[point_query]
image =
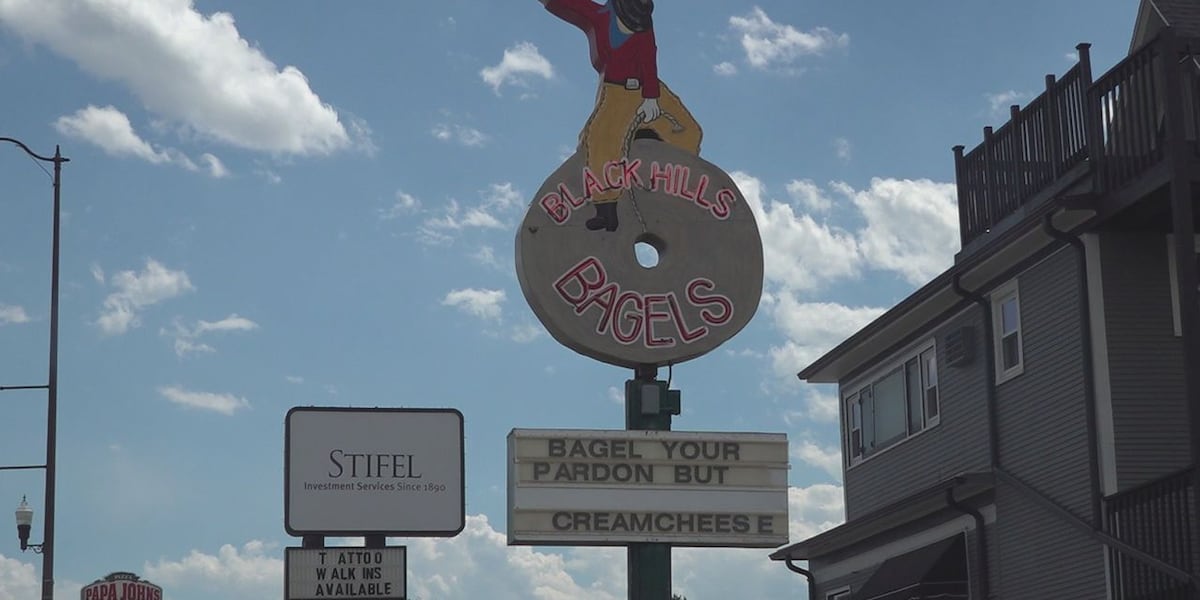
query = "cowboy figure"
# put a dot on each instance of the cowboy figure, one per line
(631, 97)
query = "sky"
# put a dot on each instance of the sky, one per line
(306, 203)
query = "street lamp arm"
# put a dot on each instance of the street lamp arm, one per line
(57, 158)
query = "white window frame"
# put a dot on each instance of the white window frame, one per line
(850, 396)
(1171, 264)
(840, 594)
(1001, 295)
(925, 387)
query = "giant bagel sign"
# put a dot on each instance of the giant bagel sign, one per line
(588, 288)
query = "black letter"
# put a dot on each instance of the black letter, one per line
(555, 522)
(765, 523)
(334, 461)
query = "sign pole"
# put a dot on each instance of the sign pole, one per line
(649, 406)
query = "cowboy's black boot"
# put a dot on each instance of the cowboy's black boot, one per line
(606, 217)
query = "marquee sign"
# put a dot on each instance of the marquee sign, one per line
(345, 573)
(362, 471)
(598, 487)
(121, 585)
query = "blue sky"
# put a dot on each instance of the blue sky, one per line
(314, 203)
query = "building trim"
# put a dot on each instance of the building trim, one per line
(1105, 424)
(1172, 261)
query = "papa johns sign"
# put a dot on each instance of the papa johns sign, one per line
(587, 287)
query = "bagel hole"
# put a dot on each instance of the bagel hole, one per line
(648, 249)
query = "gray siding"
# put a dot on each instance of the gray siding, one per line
(1145, 359)
(1034, 554)
(1042, 423)
(956, 445)
(1042, 413)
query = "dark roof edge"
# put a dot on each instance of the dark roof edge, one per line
(983, 480)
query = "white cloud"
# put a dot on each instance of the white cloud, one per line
(10, 314)
(911, 229)
(842, 149)
(808, 195)
(246, 573)
(526, 332)
(187, 338)
(814, 509)
(109, 129)
(484, 304)
(768, 44)
(97, 273)
(404, 204)
(271, 176)
(216, 168)
(296, 379)
(486, 256)
(502, 196)
(184, 346)
(226, 404)
(822, 405)
(479, 563)
(799, 253)
(812, 329)
(136, 291)
(191, 69)
(461, 134)
(19, 581)
(498, 203)
(519, 63)
(912, 226)
(616, 396)
(826, 458)
(231, 323)
(999, 102)
(725, 69)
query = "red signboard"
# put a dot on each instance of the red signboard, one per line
(121, 586)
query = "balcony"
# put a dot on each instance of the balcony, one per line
(1081, 137)
(1157, 518)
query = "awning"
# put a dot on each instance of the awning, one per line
(937, 571)
(911, 508)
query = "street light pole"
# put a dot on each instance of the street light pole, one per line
(52, 385)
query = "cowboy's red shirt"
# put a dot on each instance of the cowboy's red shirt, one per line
(634, 59)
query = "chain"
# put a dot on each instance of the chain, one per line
(676, 126)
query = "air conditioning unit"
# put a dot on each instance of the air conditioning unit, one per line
(959, 346)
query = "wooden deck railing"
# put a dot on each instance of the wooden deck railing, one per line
(1115, 125)
(1157, 518)
(1039, 143)
(1129, 100)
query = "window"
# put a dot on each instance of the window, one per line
(899, 403)
(1171, 262)
(1006, 332)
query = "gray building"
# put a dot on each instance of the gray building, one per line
(1026, 426)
